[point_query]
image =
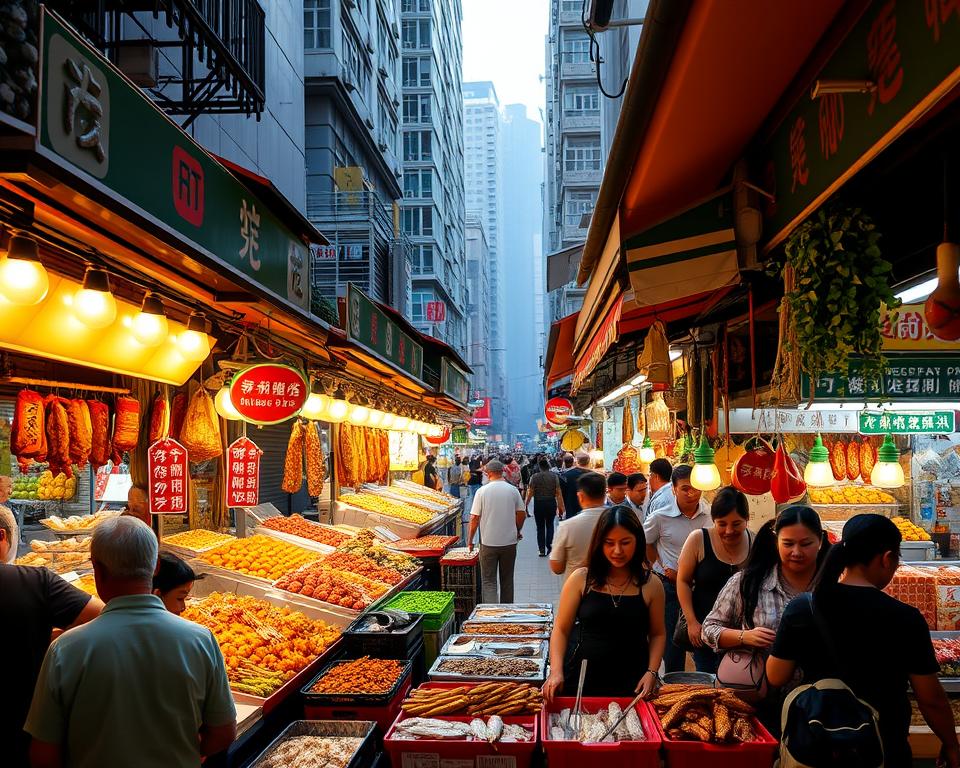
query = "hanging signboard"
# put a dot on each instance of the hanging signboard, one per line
(460, 435)
(243, 473)
(558, 411)
(453, 381)
(908, 377)
(481, 416)
(169, 478)
(906, 422)
(905, 328)
(436, 312)
(269, 393)
(372, 328)
(749, 421)
(439, 439)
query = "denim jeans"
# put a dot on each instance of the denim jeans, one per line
(545, 514)
(674, 658)
(706, 660)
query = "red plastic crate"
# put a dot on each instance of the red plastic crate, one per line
(695, 754)
(614, 754)
(383, 715)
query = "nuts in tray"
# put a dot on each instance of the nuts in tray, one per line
(487, 699)
(496, 628)
(699, 713)
(198, 539)
(478, 667)
(363, 675)
(312, 752)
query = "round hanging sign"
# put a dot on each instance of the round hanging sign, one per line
(439, 439)
(269, 393)
(558, 411)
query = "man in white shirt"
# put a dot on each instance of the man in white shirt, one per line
(660, 493)
(637, 493)
(571, 545)
(498, 512)
(666, 530)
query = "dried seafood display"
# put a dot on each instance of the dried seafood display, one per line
(473, 666)
(491, 731)
(594, 725)
(312, 752)
(699, 713)
(487, 699)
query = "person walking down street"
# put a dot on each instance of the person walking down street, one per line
(666, 529)
(33, 602)
(571, 545)
(454, 475)
(511, 471)
(431, 478)
(158, 681)
(611, 615)
(782, 563)
(498, 513)
(529, 468)
(616, 489)
(569, 479)
(708, 559)
(474, 481)
(877, 645)
(544, 491)
(660, 487)
(637, 493)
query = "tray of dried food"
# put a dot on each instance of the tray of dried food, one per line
(74, 524)
(196, 541)
(946, 645)
(505, 628)
(69, 544)
(478, 669)
(58, 562)
(516, 614)
(305, 533)
(494, 647)
(321, 744)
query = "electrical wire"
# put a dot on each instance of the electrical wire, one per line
(595, 56)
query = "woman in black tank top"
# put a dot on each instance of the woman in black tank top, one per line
(708, 559)
(611, 615)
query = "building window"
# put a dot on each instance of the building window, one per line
(416, 72)
(418, 221)
(417, 145)
(575, 47)
(582, 153)
(415, 6)
(316, 24)
(418, 183)
(575, 204)
(423, 260)
(581, 101)
(418, 308)
(416, 34)
(417, 108)
(356, 63)
(568, 6)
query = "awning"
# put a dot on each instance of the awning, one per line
(562, 266)
(635, 319)
(559, 360)
(602, 341)
(690, 254)
(602, 292)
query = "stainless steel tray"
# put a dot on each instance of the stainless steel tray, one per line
(534, 677)
(542, 631)
(360, 729)
(512, 614)
(489, 647)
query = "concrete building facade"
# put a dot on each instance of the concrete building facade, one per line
(479, 342)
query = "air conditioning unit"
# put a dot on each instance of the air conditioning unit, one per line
(140, 61)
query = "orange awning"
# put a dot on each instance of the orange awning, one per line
(605, 337)
(559, 361)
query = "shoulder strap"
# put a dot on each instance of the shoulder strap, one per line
(821, 624)
(707, 544)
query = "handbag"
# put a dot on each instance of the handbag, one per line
(744, 671)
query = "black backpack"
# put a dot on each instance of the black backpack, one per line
(825, 724)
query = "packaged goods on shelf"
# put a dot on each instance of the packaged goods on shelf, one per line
(916, 587)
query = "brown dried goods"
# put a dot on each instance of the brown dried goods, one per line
(201, 428)
(28, 436)
(293, 462)
(479, 667)
(100, 433)
(316, 471)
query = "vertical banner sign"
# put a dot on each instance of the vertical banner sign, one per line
(243, 473)
(168, 470)
(436, 312)
(371, 327)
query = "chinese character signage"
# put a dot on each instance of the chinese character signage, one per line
(906, 423)
(908, 377)
(169, 478)
(371, 327)
(436, 312)
(95, 121)
(749, 421)
(909, 51)
(454, 382)
(269, 393)
(905, 328)
(243, 473)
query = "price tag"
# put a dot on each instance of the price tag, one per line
(420, 760)
(496, 761)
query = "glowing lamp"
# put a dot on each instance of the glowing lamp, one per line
(887, 472)
(23, 279)
(315, 407)
(817, 473)
(224, 405)
(705, 475)
(647, 454)
(358, 415)
(388, 420)
(401, 423)
(375, 418)
(150, 325)
(193, 343)
(94, 304)
(337, 410)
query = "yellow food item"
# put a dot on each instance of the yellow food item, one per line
(198, 539)
(87, 584)
(850, 494)
(388, 507)
(909, 530)
(316, 471)
(260, 556)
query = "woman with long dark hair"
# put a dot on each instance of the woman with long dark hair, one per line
(619, 611)
(876, 644)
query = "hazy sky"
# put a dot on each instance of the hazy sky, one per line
(503, 41)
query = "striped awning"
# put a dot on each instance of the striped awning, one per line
(692, 253)
(605, 338)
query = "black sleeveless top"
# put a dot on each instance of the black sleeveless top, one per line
(710, 576)
(614, 637)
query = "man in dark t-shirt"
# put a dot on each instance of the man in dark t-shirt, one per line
(33, 602)
(880, 644)
(568, 479)
(430, 472)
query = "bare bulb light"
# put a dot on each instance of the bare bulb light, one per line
(315, 408)
(150, 326)
(337, 411)
(705, 475)
(224, 405)
(94, 304)
(193, 343)
(887, 472)
(818, 473)
(359, 415)
(401, 423)
(23, 279)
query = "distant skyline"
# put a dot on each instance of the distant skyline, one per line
(503, 41)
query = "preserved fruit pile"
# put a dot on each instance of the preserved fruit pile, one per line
(260, 556)
(382, 506)
(297, 525)
(909, 530)
(198, 539)
(365, 544)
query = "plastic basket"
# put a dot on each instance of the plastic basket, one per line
(364, 730)
(695, 754)
(614, 754)
(432, 622)
(433, 642)
(459, 575)
(379, 708)
(384, 645)
(353, 699)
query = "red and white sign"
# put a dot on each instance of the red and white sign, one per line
(436, 312)
(324, 252)
(169, 473)
(269, 393)
(481, 416)
(439, 439)
(243, 473)
(558, 411)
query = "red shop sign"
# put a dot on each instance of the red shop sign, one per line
(558, 411)
(436, 312)
(268, 393)
(439, 439)
(243, 473)
(167, 468)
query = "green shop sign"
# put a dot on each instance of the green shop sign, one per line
(373, 329)
(906, 423)
(453, 382)
(909, 51)
(908, 377)
(105, 127)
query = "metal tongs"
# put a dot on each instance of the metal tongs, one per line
(573, 725)
(623, 716)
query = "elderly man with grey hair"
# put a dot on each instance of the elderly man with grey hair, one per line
(138, 686)
(498, 512)
(33, 602)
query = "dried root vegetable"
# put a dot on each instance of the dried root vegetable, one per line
(699, 713)
(316, 471)
(201, 428)
(293, 462)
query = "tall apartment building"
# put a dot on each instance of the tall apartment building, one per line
(479, 344)
(484, 193)
(352, 146)
(432, 138)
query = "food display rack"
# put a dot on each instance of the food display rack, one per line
(292, 686)
(345, 514)
(491, 647)
(535, 678)
(363, 730)
(843, 512)
(384, 645)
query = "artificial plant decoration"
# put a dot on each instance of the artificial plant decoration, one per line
(840, 283)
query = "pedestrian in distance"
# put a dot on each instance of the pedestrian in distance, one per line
(616, 489)
(454, 476)
(431, 478)
(498, 513)
(637, 493)
(544, 491)
(571, 545)
(570, 476)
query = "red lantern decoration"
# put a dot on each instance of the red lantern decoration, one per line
(942, 310)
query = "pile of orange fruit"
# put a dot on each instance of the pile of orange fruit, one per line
(260, 556)
(297, 525)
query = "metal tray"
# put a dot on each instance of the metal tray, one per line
(511, 615)
(542, 633)
(435, 674)
(495, 647)
(950, 684)
(361, 729)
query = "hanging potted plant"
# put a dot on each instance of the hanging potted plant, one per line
(840, 282)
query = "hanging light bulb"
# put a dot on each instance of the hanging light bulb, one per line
(705, 474)
(358, 415)
(388, 420)
(375, 418)
(150, 325)
(817, 473)
(887, 472)
(23, 279)
(337, 410)
(194, 344)
(647, 454)
(401, 423)
(94, 304)
(315, 407)
(224, 404)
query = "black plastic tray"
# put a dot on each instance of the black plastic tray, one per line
(384, 645)
(356, 699)
(363, 729)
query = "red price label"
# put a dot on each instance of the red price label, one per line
(269, 393)
(243, 473)
(169, 473)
